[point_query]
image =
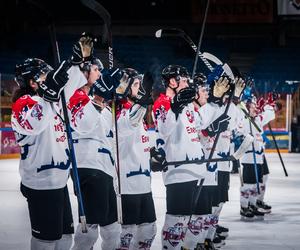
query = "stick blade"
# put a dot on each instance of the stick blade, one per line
(173, 32)
(158, 33)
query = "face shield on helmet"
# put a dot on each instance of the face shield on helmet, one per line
(31, 69)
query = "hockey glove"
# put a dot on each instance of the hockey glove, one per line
(106, 85)
(238, 88)
(83, 49)
(51, 88)
(144, 97)
(157, 159)
(218, 91)
(272, 97)
(260, 105)
(219, 125)
(181, 99)
(124, 84)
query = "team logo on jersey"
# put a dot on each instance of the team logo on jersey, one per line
(296, 4)
(190, 116)
(196, 226)
(174, 234)
(161, 113)
(37, 111)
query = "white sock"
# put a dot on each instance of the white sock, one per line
(64, 243)
(37, 244)
(144, 237)
(245, 194)
(127, 234)
(173, 231)
(85, 241)
(110, 235)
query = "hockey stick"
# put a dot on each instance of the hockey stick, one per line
(198, 161)
(278, 151)
(273, 137)
(67, 121)
(105, 16)
(174, 32)
(254, 159)
(200, 39)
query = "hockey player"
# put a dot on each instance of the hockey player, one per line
(260, 108)
(177, 135)
(139, 226)
(252, 162)
(95, 157)
(38, 125)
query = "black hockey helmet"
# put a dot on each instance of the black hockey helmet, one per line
(30, 69)
(132, 74)
(173, 71)
(199, 80)
(94, 61)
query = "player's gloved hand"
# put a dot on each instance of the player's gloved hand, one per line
(51, 88)
(83, 49)
(144, 97)
(271, 99)
(217, 92)
(219, 125)
(157, 159)
(106, 85)
(221, 87)
(182, 98)
(260, 105)
(239, 87)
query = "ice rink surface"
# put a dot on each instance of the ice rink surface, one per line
(279, 230)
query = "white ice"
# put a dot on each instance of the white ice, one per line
(279, 230)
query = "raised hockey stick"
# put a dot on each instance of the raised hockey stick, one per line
(174, 32)
(278, 151)
(255, 163)
(66, 117)
(200, 39)
(105, 16)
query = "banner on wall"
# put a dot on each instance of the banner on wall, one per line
(7, 138)
(288, 7)
(234, 11)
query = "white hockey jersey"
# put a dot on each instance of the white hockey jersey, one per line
(134, 150)
(92, 134)
(179, 139)
(39, 130)
(261, 120)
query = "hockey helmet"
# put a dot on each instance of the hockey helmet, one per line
(173, 71)
(30, 69)
(132, 74)
(95, 61)
(199, 80)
